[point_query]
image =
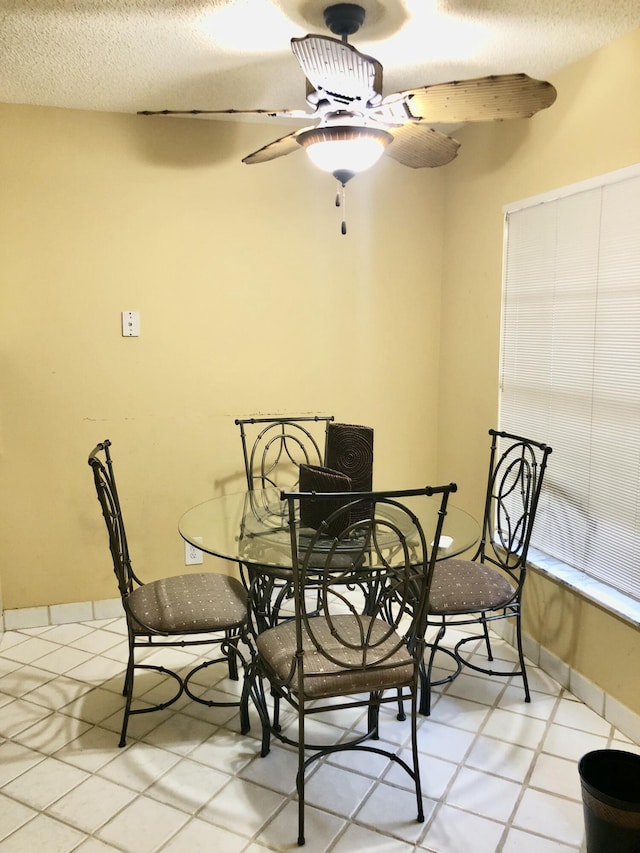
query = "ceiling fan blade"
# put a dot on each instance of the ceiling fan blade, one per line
(285, 145)
(337, 70)
(494, 98)
(298, 114)
(417, 145)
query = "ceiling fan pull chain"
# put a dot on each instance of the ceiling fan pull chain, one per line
(341, 201)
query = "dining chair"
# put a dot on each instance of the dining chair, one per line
(363, 647)
(274, 448)
(181, 610)
(488, 587)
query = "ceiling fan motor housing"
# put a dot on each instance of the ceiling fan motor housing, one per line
(344, 19)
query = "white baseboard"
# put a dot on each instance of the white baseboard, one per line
(606, 706)
(60, 614)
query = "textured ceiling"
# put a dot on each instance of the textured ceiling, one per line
(130, 55)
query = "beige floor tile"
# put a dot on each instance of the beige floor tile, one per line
(556, 775)
(52, 733)
(452, 831)
(515, 728)
(13, 815)
(524, 842)
(359, 838)
(242, 807)
(57, 692)
(138, 766)
(44, 783)
(571, 743)
(41, 834)
(393, 811)
(198, 835)
(188, 785)
(577, 716)
(435, 774)
(488, 796)
(554, 817)
(91, 803)
(30, 650)
(91, 750)
(500, 758)
(336, 790)
(15, 760)
(180, 733)
(277, 770)
(143, 826)
(320, 830)
(443, 741)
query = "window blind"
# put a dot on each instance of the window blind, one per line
(570, 370)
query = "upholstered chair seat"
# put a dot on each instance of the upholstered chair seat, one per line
(464, 586)
(188, 604)
(340, 666)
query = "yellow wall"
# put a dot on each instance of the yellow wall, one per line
(593, 128)
(251, 302)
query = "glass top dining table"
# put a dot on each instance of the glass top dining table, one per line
(251, 528)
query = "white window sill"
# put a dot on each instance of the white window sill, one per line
(605, 596)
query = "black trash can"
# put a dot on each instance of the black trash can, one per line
(610, 780)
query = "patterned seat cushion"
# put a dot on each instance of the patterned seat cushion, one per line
(323, 678)
(186, 604)
(463, 586)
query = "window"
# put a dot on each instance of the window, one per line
(570, 368)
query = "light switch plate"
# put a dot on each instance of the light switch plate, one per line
(130, 324)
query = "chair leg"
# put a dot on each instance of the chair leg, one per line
(276, 711)
(426, 671)
(401, 714)
(300, 778)
(414, 749)
(245, 724)
(232, 655)
(128, 693)
(373, 715)
(523, 669)
(485, 632)
(254, 686)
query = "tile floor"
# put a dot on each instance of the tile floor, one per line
(498, 774)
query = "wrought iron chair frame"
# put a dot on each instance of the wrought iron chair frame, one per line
(287, 434)
(141, 635)
(396, 577)
(503, 546)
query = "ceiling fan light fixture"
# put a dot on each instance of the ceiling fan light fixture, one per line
(344, 150)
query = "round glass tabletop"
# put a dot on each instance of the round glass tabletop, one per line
(252, 527)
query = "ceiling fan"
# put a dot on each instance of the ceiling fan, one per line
(355, 124)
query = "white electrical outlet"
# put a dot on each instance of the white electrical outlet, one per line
(192, 555)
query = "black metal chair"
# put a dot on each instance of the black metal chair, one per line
(364, 645)
(182, 610)
(274, 449)
(488, 587)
